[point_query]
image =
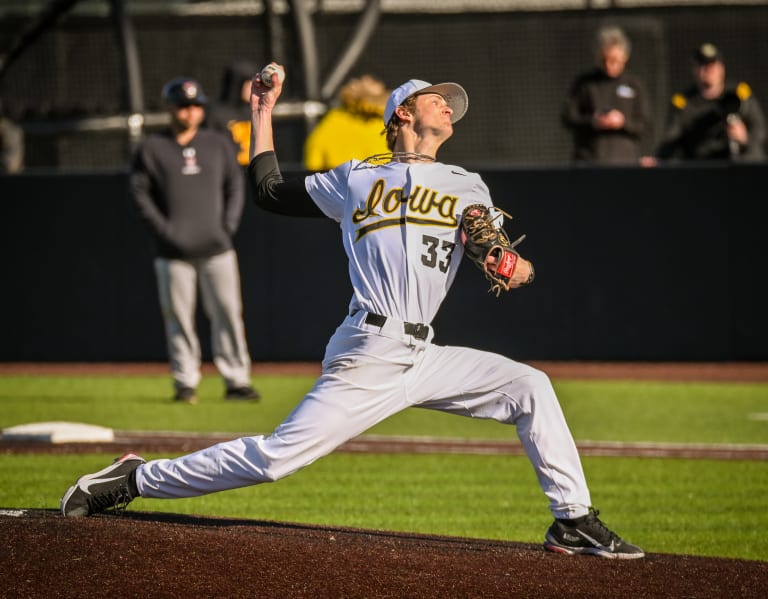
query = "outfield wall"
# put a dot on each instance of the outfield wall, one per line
(632, 264)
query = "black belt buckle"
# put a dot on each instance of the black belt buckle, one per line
(418, 330)
(376, 320)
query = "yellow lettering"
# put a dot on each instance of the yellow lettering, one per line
(374, 197)
(425, 207)
(446, 207)
(393, 200)
(423, 202)
(426, 201)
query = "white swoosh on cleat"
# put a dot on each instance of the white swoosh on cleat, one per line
(611, 547)
(94, 481)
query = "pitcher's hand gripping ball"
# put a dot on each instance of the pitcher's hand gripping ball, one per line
(489, 248)
(268, 71)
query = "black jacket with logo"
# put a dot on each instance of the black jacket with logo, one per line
(594, 92)
(192, 196)
(696, 126)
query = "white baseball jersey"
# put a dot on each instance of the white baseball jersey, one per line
(399, 225)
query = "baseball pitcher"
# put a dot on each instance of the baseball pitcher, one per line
(406, 221)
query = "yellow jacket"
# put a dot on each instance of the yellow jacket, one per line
(342, 135)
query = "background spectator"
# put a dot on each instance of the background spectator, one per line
(232, 111)
(190, 191)
(351, 130)
(713, 119)
(11, 145)
(607, 108)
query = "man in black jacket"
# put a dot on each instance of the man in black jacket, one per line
(232, 112)
(607, 108)
(713, 119)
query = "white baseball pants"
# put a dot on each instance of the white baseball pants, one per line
(370, 373)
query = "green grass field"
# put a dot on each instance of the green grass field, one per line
(701, 507)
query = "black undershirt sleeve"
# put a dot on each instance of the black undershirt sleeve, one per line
(274, 194)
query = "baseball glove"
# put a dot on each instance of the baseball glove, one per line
(489, 248)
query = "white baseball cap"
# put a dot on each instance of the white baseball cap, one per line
(454, 95)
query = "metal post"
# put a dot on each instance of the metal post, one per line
(133, 91)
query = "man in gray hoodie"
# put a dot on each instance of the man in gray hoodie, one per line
(190, 191)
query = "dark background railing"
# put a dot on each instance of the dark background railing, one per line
(632, 264)
(516, 67)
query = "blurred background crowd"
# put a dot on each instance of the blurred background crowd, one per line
(80, 81)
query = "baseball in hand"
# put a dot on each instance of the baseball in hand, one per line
(268, 71)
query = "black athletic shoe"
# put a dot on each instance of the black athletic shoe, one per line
(588, 535)
(114, 487)
(185, 395)
(242, 393)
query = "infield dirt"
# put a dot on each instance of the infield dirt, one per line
(162, 555)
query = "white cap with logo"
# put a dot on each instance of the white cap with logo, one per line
(454, 95)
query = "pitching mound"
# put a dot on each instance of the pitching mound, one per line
(164, 555)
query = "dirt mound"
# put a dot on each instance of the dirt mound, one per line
(165, 555)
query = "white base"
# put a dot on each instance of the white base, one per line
(59, 432)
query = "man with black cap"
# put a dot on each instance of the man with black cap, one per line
(714, 119)
(190, 191)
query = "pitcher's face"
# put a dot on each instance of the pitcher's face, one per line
(432, 112)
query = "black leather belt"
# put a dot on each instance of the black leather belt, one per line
(418, 330)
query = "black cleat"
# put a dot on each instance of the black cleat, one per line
(185, 395)
(114, 487)
(242, 393)
(589, 536)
